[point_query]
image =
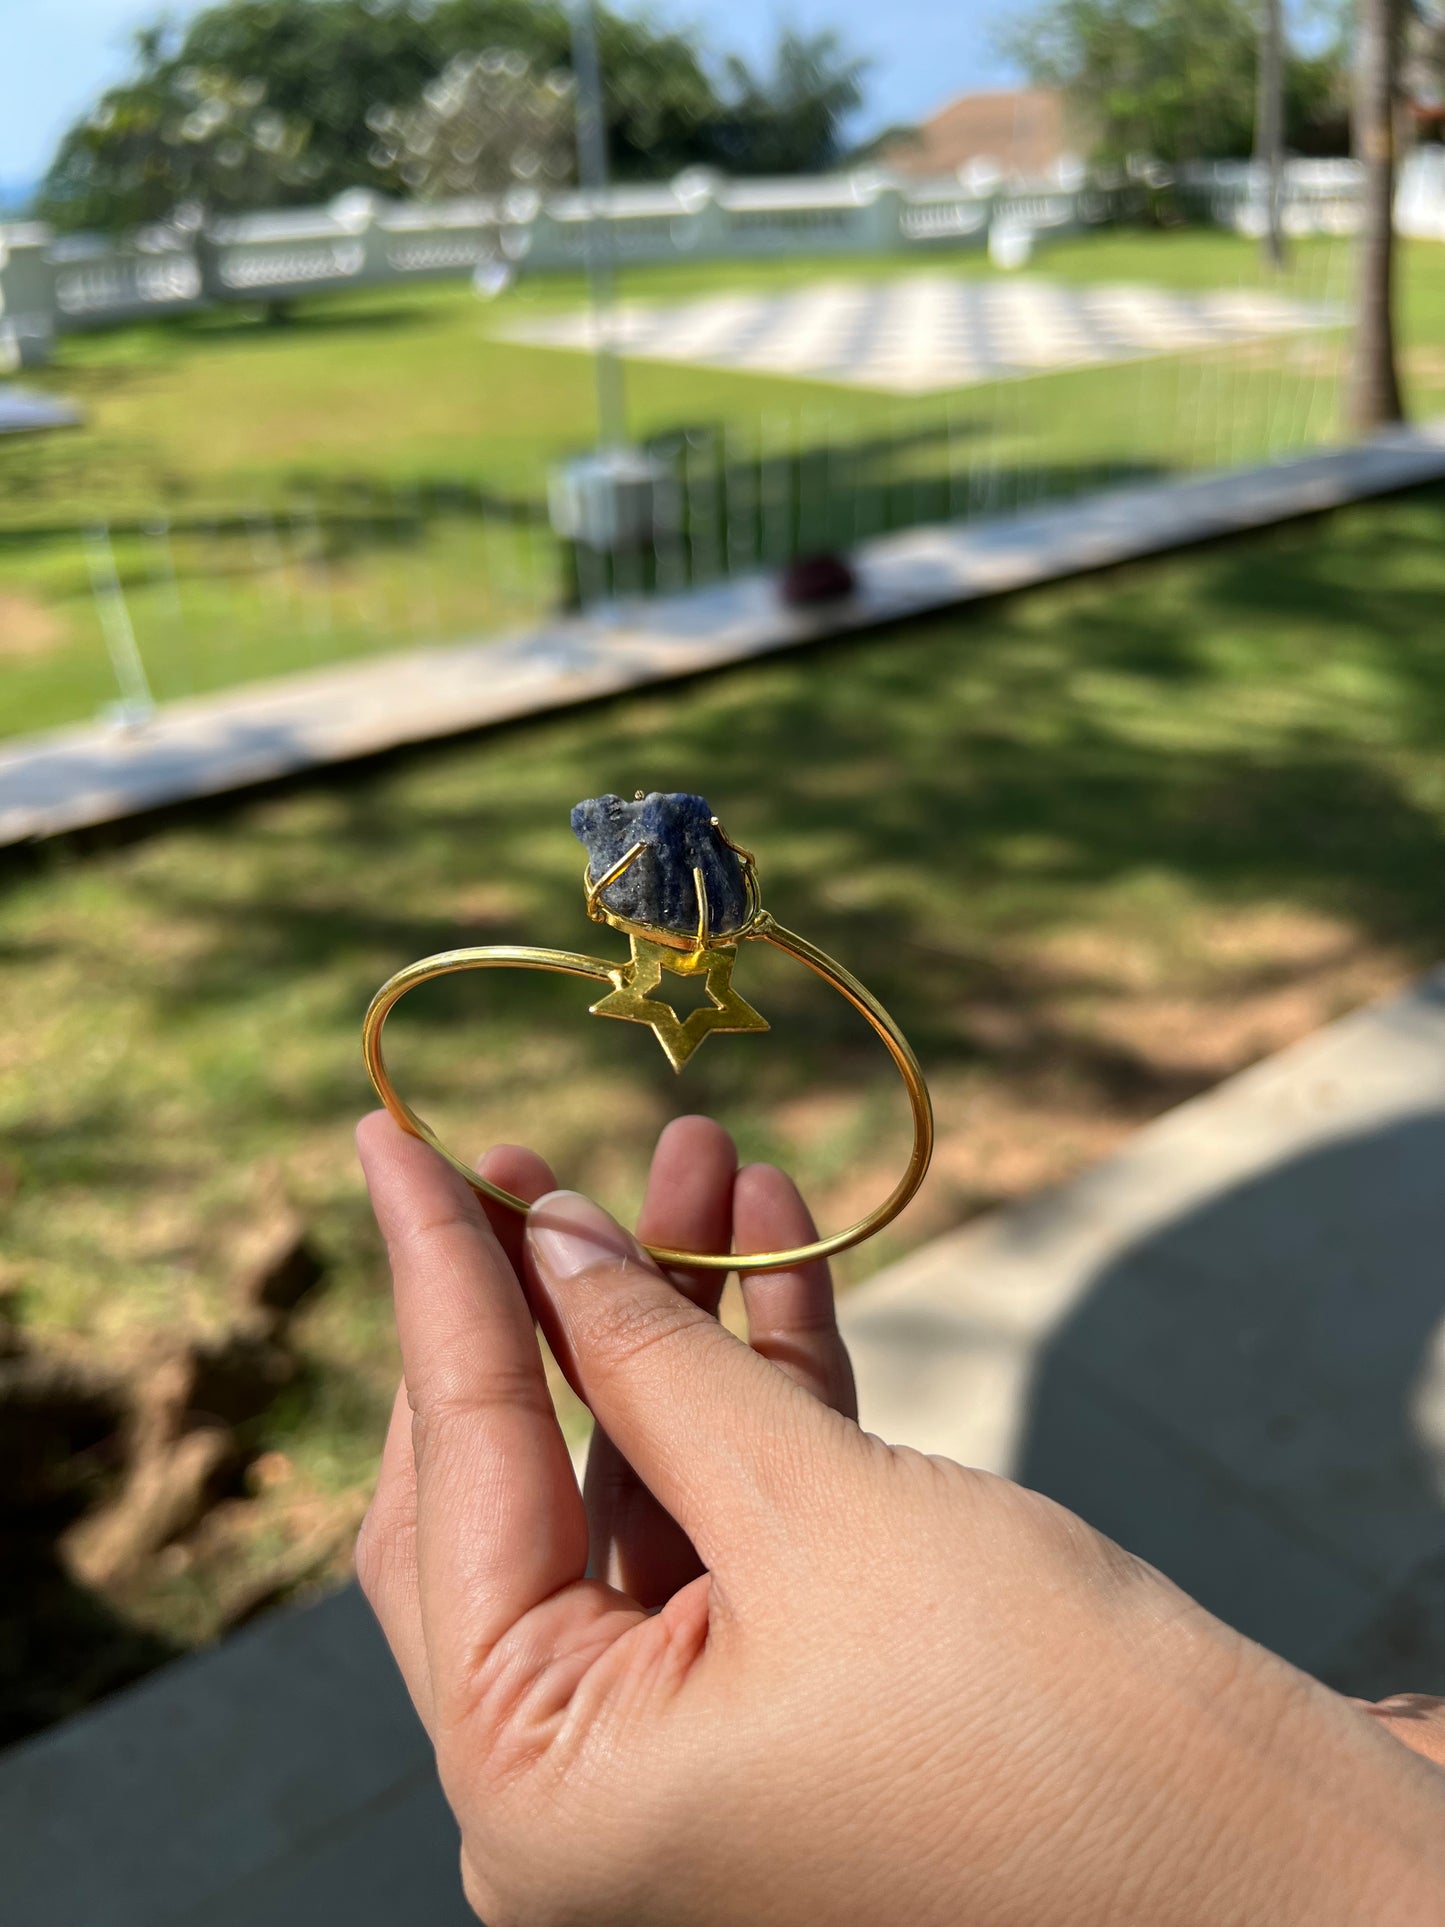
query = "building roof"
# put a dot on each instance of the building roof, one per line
(1022, 131)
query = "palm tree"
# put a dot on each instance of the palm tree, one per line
(1374, 389)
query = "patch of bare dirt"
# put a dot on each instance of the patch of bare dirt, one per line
(27, 627)
(1278, 974)
(1086, 1035)
(140, 1513)
(483, 906)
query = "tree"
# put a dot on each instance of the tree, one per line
(1422, 57)
(789, 121)
(486, 123)
(170, 136)
(1170, 79)
(302, 83)
(661, 105)
(1374, 388)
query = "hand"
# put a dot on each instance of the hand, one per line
(898, 1691)
(696, 1200)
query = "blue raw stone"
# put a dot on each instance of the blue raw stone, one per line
(658, 888)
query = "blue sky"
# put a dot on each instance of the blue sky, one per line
(58, 55)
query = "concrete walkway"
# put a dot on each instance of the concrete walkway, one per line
(25, 412)
(1225, 1346)
(79, 778)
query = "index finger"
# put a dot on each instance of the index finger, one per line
(732, 1447)
(500, 1525)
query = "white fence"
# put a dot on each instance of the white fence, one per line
(1420, 204)
(1319, 197)
(50, 285)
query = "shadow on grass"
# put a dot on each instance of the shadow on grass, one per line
(1255, 726)
(891, 782)
(257, 324)
(712, 519)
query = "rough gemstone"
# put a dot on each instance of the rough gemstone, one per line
(658, 888)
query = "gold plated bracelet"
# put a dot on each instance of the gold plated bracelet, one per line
(675, 849)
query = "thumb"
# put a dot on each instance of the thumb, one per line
(728, 1443)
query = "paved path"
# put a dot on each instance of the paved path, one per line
(23, 411)
(77, 778)
(1225, 1345)
(924, 332)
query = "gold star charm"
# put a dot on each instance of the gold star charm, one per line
(636, 980)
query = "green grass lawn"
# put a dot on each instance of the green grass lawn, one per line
(373, 473)
(1096, 847)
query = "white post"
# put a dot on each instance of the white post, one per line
(592, 172)
(136, 704)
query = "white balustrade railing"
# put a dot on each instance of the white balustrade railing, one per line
(1420, 203)
(284, 270)
(49, 285)
(124, 287)
(1318, 197)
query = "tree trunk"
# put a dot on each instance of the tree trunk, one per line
(1269, 125)
(1374, 393)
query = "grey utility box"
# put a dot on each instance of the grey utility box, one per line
(606, 499)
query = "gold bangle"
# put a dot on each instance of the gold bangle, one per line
(656, 948)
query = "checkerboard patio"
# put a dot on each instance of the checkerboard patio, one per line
(926, 332)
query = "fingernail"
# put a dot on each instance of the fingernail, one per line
(569, 1234)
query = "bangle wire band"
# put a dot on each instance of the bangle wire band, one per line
(704, 955)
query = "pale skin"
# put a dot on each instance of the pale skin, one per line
(809, 1679)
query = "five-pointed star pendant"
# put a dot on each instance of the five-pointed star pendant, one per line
(635, 981)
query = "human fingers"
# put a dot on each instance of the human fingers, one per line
(689, 1200)
(526, 1176)
(499, 1517)
(792, 1318)
(634, 1543)
(723, 1440)
(386, 1543)
(386, 1557)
